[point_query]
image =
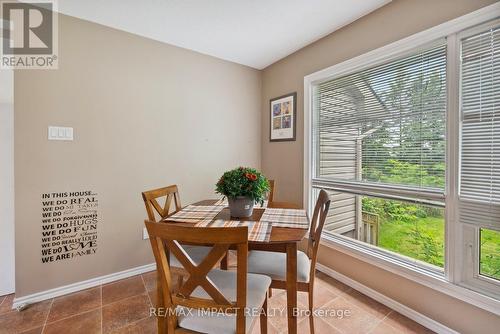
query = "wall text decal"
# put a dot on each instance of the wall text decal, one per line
(69, 225)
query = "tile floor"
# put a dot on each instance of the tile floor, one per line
(123, 307)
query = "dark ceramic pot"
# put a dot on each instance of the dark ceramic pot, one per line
(240, 206)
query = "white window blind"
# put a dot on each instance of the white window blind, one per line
(385, 124)
(480, 147)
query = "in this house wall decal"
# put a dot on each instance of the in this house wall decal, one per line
(69, 225)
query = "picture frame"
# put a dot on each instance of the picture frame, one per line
(283, 124)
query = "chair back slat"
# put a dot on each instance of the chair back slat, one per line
(317, 222)
(270, 198)
(153, 207)
(167, 238)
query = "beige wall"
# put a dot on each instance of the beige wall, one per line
(283, 161)
(145, 114)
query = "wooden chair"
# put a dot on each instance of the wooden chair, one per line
(270, 198)
(153, 208)
(274, 264)
(235, 294)
(274, 204)
(156, 212)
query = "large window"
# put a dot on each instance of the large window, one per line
(408, 147)
(379, 131)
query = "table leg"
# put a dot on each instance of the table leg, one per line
(224, 261)
(291, 286)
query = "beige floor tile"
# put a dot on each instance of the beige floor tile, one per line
(37, 330)
(331, 283)
(322, 296)
(150, 280)
(144, 326)
(6, 305)
(129, 287)
(124, 312)
(349, 318)
(153, 295)
(32, 317)
(320, 327)
(270, 328)
(366, 303)
(383, 328)
(75, 303)
(83, 323)
(277, 309)
(404, 324)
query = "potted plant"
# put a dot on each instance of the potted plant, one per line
(243, 187)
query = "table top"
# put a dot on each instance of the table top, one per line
(278, 234)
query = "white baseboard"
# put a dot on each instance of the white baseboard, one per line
(389, 302)
(78, 286)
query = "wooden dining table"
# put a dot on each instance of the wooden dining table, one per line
(282, 239)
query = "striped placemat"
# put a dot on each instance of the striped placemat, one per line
(257, 231)
(223, 202)
(195, 214)
(292, 218)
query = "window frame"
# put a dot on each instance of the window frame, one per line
(452, 280)
(469, 275)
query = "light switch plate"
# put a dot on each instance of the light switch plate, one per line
(145, 234)
(60, 133)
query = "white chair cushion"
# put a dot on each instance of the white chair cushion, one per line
(273, 264)
(197, 253)
(225, 281)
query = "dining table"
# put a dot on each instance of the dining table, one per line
(281, 239)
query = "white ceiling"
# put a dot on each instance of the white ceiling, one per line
(256, 33)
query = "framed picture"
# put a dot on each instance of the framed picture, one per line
(282, 110)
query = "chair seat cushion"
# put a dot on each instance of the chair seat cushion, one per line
(225, 281)
(273, 264)
(196, 253)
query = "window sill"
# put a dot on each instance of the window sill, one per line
(423, 276)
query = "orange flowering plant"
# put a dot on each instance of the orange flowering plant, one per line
(243, 181)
